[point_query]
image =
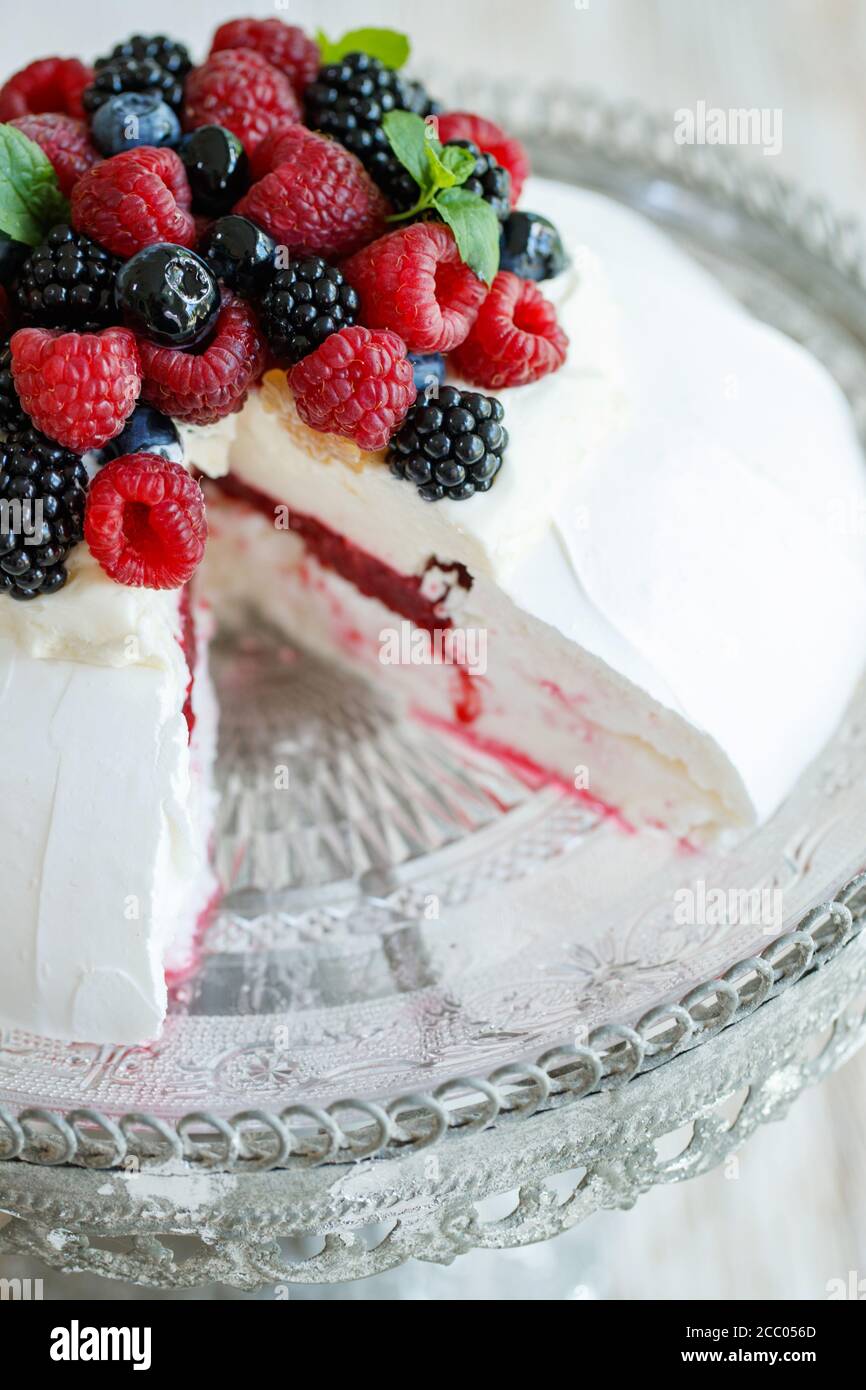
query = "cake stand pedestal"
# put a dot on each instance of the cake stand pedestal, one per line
(551, 1170)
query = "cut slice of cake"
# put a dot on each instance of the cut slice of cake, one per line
(661, 570)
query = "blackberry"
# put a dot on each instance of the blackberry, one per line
(450, 444)
(348, 100)
(304, 305)
(168, 53)
(133, 75)
(488, 179)
(12, 416)
(42, 495)
(68, 282)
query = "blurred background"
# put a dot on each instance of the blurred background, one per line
(791, 1215)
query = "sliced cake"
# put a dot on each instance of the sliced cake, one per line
(279, 338)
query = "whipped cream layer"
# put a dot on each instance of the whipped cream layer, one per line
(684, 500)
(104, 822)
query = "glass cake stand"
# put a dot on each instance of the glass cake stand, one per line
(428, 985)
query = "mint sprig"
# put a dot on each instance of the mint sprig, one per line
(439, 171)
(389, 46)
(30, 197)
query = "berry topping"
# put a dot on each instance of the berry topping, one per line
(304, 305)
(216, 166)
(239, 253)
(169, 294)
(133, 200)
(171, 55)
(201, 387)
(131, 119)
(145, 522)
(65, 141)
(531, 247)
(348, 100)
(284, 45)
(147, 431)
(133, 75)
(414, 282)
(5, 313)
(67, 282)
(358, 384)
(488, 179)
(49, 484)
(318, 200)
(239, 89)
(450, 445)
(488, 136)
(515, 339)
(49, 84)
(429, 370)
(12, 416)
(77, 388)
(13, 254)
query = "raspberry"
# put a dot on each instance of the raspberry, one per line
(49, 84)
(515, 339)
(145, 522)
(243, 92)
(491, 138)
(284, 45)
(359, 383)
(133, 200)
(66, 143)
(319, 200)
(414, 282)
(201, 387)
(78, 388)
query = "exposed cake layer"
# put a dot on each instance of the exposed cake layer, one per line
(695, 554)
(524, 693)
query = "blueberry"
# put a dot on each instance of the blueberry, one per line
(147, 431)
(216, 166)
(169, 294)
(134, 118)
(429, 369)
(531, 247)
(239, 253)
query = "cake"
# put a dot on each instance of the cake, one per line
(645, 584)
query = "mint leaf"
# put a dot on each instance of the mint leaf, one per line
(30, 197)
(442, 175)
(407, 135)
(389, 46)
(458, 162)
(475, 227)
